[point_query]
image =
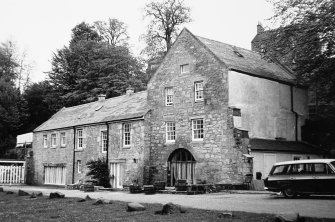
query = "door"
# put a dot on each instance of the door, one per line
(181, 165)
(269, 160)
(55, 175)
(116, 175)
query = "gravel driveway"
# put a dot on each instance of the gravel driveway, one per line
(315, 206)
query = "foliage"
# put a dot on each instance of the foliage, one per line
(165, 18)
(98, 169)
(12, 105)
(113, 31)
(307, 35)
(42, 102)
(91, 66)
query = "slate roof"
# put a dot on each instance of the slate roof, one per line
(282, 146)
(117, 108)
(248, 61)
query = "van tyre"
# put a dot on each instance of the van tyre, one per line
(289, 192)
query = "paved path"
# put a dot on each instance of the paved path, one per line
(315, 206)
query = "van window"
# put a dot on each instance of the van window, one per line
(319, 168)
(309, 168)
(329, 170)
(333, 163)
(297, 168)
(279, 170)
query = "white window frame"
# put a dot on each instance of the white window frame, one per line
(183, 68)
(80, 139)
(296, 156)
(62, 139)
(45, 141)
(169, 96)
(78, 166)
(104, 141)
(195, 125)
(198, 91)
(126, 134)
(53, 140)
(170, 128)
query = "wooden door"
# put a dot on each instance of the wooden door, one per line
(116, 170)
(269, 160)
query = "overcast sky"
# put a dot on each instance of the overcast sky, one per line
(42, 26)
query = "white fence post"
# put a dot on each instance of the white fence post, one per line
(13, 174)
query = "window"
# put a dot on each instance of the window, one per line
(297, 168)
(297, 157)
(62, 139)
(79, 166)
(45, 141)
(126, 134)
(184, 68)
(319, 168)
(79, 139)
(170, 132)
(53, 140)
(104, 141)
(197, 129)
(278, 170)
(198, 91)
(169, 96)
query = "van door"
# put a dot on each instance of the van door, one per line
(301, 177)
(321, 179)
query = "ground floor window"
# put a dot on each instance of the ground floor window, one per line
(55, 175)
(181, 165)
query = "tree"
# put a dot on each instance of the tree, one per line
(113, 31)
(98, 169)
(307, 35)
(91, 66)
(42, 103)
(165, 18)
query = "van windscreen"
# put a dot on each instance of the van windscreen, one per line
(278, 170)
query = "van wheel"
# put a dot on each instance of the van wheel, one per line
(289, 192)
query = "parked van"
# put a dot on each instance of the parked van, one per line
(302, 177)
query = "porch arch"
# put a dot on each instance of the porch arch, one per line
(181, 165)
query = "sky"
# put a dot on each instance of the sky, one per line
(41, 27)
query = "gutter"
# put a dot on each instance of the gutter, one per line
(74, 152)
(295, 113)
(107, 144)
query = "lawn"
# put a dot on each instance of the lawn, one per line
(23, 208)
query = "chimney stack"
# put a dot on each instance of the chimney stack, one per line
(260, 28)
(101, 97)
(129, 91)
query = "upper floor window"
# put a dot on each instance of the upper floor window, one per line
(184, 68)
(62, 139)
(197, 129)
(53, 140)
(169, 96)
(79, 138)
(170, 132)
(45, 141)
(126, 134)
(104, 141)
(198, 91)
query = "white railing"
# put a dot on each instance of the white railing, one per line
(12, 172)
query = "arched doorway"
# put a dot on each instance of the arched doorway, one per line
(181, 165)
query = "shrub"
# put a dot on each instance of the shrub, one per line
(98, 169)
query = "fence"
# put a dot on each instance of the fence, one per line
(12, 172)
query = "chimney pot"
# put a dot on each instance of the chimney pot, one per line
(101, 97)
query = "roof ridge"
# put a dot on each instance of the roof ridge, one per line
(76, 106)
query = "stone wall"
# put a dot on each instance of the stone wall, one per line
(132, 157)
(216, 158)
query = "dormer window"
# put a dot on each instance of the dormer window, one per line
(184, 68)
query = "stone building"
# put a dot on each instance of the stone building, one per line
(203, 106)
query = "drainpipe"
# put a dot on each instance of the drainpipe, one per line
(74, 152)
(295, 113)
(107, 143)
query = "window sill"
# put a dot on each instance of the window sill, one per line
(53, 147)
(197, 141)
(78, 150)
(126, 147)
(63, 146)
(199, 101)
(170, 143)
